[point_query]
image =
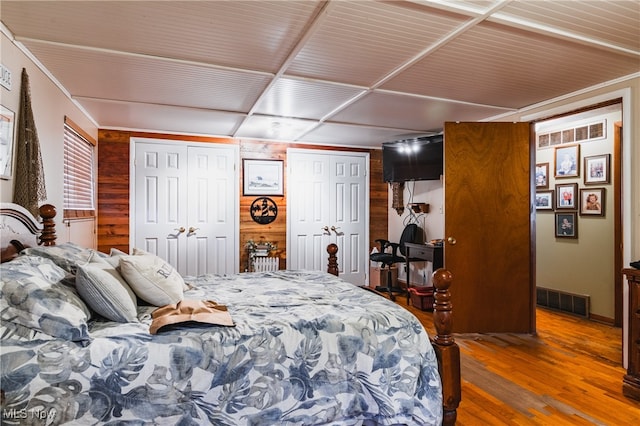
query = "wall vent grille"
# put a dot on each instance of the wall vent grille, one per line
(577, 304)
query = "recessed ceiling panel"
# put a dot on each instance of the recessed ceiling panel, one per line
(142, 79)
(351, 135)
(360, 42)
(415, 113)
(276, 128)
(304, 98)
(255, 35)
(160, 118)
(511, 68)
(613, 22)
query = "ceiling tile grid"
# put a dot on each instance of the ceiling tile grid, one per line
(352, 72)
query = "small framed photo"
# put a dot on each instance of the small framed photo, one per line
(592, 201)
(262, 177)
(566, 225)
(596, 169)
(7, 132)
(567, 161)
(566, 194)
(542, 175)
(544, 200)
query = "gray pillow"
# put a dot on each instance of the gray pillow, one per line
(105, 291)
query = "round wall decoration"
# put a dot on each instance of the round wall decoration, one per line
(263, 210)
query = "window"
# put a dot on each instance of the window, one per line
(78, 172)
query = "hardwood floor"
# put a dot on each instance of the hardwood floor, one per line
(570, 373)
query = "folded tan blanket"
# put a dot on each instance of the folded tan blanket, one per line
(202, 311)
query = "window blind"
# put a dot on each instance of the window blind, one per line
(78, 175)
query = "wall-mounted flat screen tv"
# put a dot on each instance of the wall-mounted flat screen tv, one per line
(413, 159)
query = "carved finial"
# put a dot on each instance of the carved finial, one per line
(442, 307)
(48, 235)
(332, 267)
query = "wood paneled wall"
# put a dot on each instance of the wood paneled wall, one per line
(114, 165)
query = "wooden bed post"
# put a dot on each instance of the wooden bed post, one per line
(48, 235)
(447, 350)
(332, 267)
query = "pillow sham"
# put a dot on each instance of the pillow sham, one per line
(66, 255)
(34, 297)
(105, 291)
(151, 278)
(25, 266)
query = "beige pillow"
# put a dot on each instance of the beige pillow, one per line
(151, 278)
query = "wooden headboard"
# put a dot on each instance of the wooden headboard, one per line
(19, 229)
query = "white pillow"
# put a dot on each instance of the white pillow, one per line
(114, 257)
(151, 278)
(102, 288)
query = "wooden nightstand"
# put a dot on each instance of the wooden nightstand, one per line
(631, 380)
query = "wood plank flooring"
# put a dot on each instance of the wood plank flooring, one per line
(569, 373)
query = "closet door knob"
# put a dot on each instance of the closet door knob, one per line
(452, 241)
(335, 229)
(180, 230)
(192, 230)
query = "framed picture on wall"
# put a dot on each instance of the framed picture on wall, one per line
(262, 177)
(567, 161)
(566, 225)
(596, 169)
(544, 200)
(566, 194)
(542, 175)
(592, 201)
(7, 126)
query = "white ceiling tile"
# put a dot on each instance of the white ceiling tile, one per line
(304, 98)
(160, 118)
(353, 72)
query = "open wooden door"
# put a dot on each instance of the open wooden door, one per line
(489, 225)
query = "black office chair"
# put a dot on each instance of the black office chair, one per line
(410, 234)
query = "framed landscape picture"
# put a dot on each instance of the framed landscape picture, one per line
(263, 177)
(544, 200)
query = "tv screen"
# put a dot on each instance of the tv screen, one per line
(413, 159)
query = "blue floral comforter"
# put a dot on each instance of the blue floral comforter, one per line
(307, 349)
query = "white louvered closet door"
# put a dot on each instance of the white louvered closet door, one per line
(185, 205)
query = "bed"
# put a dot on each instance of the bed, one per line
(276, 348)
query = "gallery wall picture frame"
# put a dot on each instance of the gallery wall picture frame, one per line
(544, 200)
(592, 201)
(262, 177)
(7, 137)
(567, 161)
(542, 175)
(566, 225)
(596, 169)
(566, 195)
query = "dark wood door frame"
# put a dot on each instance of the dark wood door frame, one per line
(618, 249)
